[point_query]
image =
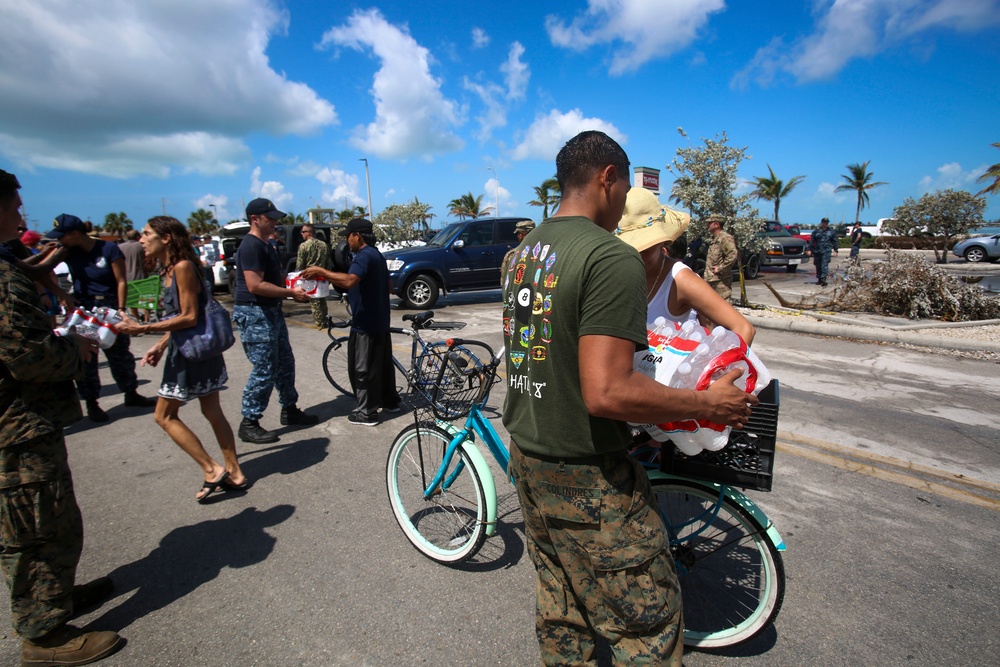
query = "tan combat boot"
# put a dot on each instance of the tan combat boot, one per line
(69, 645)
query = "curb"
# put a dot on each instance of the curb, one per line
(864, 333)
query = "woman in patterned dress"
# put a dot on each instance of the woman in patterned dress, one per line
(168, 244)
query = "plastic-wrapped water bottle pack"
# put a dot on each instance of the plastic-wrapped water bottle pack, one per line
(98, 325)
(693, 357)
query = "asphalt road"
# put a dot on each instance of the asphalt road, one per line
(887, 493)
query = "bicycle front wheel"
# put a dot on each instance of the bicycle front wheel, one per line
(335, 366)
(732, 578)
(449, 525)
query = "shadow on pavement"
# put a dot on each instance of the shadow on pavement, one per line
(188, 557)
(284, 458)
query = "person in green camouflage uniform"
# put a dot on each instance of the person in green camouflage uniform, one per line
(574, 315)
(41, 528)
(721, 258)
(521, 230)
(314, 252)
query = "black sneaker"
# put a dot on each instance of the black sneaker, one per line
(134, 400)
(292, 416)
(94, 411)
(362, 419)
(251, 431)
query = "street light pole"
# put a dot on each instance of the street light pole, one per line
(368, 183)
(496, 190)
(215, 213)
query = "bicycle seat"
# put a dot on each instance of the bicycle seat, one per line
(418, 319)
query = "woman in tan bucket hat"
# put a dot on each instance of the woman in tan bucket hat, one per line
(674, 291)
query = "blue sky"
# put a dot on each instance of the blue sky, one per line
(141, 107)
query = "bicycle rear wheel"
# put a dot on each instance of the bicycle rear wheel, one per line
(449, 526)
(731, 575)
(335, 366)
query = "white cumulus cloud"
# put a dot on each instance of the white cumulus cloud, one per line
(217, 205)
(340, 189)
(850, 29)
(549, 133)
(636, 31)
(120, 88)
(412, 116)
(495, 98)
(952, 176)
(516, 72)
(492, 193)
(273, 190)
(479, 38)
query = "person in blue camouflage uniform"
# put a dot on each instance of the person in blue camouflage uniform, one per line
(261, 323)
(98, 270)
(41, 529)
(574, 314)
(822, 243)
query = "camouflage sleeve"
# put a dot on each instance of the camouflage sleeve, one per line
(300, 258)
(28, 348)
(728, 248)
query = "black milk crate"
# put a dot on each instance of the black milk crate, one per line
(747, 461)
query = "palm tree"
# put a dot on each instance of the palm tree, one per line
(466, 206)
(859, 180)
(424, 212)
(293, 219)
(117, 223)
(345, 215)
(202, 222)
(771, 188)
(991, 173)
(547, 194)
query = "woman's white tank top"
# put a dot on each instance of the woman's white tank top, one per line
(658, 304)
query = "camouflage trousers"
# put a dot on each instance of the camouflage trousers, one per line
(264, 335)
(723, 287)
(319, 312)
(822, 261)
(604, 567)
(41, 531)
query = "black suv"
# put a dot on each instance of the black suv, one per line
(288, 245)
(464, 256)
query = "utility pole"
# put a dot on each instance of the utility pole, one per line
(368, 183)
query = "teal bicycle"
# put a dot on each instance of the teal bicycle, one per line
(726, 551)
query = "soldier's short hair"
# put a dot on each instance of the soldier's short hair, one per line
(585, 154)
(9, 186)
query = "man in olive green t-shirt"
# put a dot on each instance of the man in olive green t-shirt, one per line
(574, 314)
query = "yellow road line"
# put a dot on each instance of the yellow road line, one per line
(891, 476)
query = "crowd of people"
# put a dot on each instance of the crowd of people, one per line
(604, 260)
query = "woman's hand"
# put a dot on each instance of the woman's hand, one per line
(129, 326)
(152, 356)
